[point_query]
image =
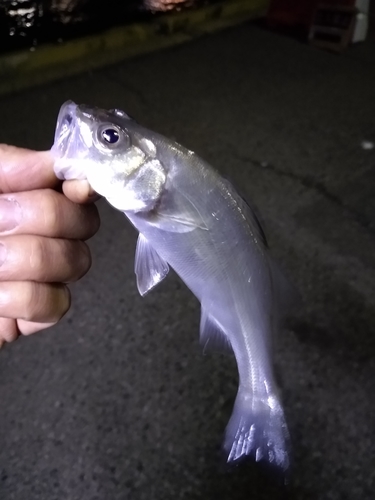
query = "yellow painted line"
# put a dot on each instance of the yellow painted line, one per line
(26, 68)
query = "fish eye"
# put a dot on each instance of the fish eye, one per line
(110, 135)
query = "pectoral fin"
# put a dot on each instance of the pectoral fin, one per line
(176, 213)
(212, 336)
(178, 223)
(150, 268)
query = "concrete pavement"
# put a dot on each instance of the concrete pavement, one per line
(118, 402)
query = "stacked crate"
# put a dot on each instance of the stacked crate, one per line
(361, 22)
(331, 24)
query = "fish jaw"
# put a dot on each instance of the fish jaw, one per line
(71, 144)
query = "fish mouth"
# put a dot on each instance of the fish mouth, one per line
(72, 138)
(64, 128)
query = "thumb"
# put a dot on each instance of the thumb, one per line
(24, 169)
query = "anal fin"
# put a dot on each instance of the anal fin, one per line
(212, 336)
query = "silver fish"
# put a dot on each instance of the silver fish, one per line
(193, 220)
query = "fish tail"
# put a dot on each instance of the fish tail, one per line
(257, 429)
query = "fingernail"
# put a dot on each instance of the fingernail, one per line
(3, 254)
(10, 214)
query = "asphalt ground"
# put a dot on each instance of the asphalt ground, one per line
(117, 401)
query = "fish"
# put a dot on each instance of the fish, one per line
(191, 219)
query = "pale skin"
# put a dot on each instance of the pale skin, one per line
(43, 229)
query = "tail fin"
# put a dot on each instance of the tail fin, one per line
(257, 429)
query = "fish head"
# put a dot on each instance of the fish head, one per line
(104, 147)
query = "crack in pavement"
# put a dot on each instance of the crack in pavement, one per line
(310, 183)
(128, 87)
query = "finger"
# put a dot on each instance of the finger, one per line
(36, 258)
(30, 327)
(31, 301)
(8, 330)
(11, 329)
(24, 169)
(46, 212)
(79, 192)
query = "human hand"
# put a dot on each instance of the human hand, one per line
(42, 234)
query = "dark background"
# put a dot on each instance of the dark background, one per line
(117, 401)
(27, 23)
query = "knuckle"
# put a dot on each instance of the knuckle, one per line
(38, 255)
(42, 302)
(8, 330)
(65, 303)
(95, 219)
(85, 260)
(77, 260)
(51, 210)
(89, 221)
(32, 300)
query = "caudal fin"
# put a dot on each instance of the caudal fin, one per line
(257, 429)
